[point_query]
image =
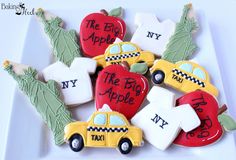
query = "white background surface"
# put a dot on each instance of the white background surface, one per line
(221, 17)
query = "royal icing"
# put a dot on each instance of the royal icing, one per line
(104, 129)
(185, 76)
(181, 46)
(98, 31)
(122, 90)
(46, 99)
(227, 122)
(151, 34)
(124, 51)
(161, 121)
(141, 68)
(64, 43)
(207, 109)
(74, 81)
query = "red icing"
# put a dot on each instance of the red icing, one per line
(210, 129)
(122, 90)
(98, 31)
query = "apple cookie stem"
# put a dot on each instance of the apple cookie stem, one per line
(116, 12)
(125, 64)
(103, 11)
(222, 109)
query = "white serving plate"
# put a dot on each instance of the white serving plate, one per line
(29, 138)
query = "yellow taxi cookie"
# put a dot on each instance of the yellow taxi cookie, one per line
(103, 129)
(124, 51)
(185, 76)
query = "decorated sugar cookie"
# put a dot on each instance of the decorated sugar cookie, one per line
(122, 90)
(185, 76)
(124, 51)
(104, 129)
(44, 96)
(64, 43)
(181, 45)
(151, 34)
(99, 30)
(212, 120)
(74, 81)
(161, 121)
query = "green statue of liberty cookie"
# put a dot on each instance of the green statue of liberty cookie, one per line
(181, 45)
(64, 43)
(44, 96)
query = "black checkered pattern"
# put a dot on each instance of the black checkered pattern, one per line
(122, 56)
(104, 129)
(190, 78)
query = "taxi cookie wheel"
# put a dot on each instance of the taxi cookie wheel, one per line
(158, 77)
(76, 143)
(125, 146)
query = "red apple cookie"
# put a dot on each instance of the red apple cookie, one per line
(99, 30)
(120, 89)
(212, 120)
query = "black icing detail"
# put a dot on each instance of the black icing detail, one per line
(187, 77)
(104, 129)
(129, 147)
(122, 56)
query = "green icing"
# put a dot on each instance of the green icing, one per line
(141, 68)
(115, 12)
(64, 43)
(227, 122)
(181, 45)
(46, 99)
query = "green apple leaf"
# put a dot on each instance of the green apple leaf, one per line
(227, 122)
(141, 68)
(115, 12)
